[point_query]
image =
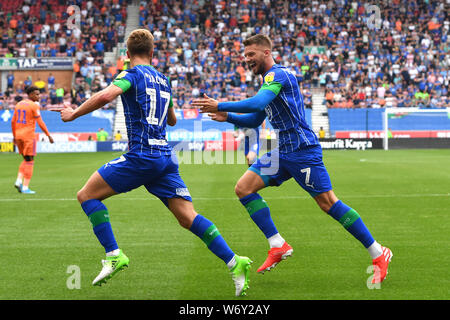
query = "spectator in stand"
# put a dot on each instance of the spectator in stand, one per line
(329, 98)
(10, 80)
(321, 133)
(421, 99)
(52, 95)
(28, 82)
(307, 97)
(349, 103)
(118, 136)
(102, 135)
(391, 101)
(40, 84)
(60, 95)
(50, 81)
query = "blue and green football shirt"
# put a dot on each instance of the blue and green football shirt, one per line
(146, 99)
(286, 112)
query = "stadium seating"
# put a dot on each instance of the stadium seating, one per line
(99, 24)
(206, 55)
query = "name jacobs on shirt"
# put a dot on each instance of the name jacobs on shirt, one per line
(156, 79)
(150, 78)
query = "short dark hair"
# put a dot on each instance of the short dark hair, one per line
(140, 42)
(30, 89)
(259, 39)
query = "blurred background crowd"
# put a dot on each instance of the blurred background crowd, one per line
(331, 45)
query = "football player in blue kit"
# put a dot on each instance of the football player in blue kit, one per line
(298, 155)
(150, 161)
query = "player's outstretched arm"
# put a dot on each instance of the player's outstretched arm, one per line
(250, 120)
(253, 104)
(95, 102)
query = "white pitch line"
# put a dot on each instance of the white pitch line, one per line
(234, 198)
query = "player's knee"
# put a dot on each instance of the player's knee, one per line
(186, 218)
(241, 190)
(183, 211)
(326, 200)
(185, 222)
(325, 206)
(81, 196)
(28, 158)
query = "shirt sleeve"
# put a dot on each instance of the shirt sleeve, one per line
(36, 110)
(253, 104)
(124, 80)
(274, 81)
(249, 120)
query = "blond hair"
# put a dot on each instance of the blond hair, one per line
(140, 42)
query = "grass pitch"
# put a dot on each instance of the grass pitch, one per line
(403, 196)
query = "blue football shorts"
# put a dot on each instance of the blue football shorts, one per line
(305, 166)
(158, 173)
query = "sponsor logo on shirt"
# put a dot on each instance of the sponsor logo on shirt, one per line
(269, 77)
(121, 75)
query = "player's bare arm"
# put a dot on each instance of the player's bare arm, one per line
(13, 126)
(43, 127)
(97, 101)
(171, 117)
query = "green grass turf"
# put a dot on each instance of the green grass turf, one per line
(402, 196)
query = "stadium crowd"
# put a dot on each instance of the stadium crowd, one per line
(39, 28)
(328, 44)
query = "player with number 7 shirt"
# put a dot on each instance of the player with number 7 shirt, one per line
(298, 156)
(150, 162)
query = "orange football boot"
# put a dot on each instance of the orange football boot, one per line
(275, 256)
(380, 265)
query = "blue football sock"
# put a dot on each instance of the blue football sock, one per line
(99, 217)
(352, 222)
(210, 235)
(260, 213)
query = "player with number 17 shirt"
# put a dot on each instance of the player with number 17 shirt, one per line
(150, 162)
